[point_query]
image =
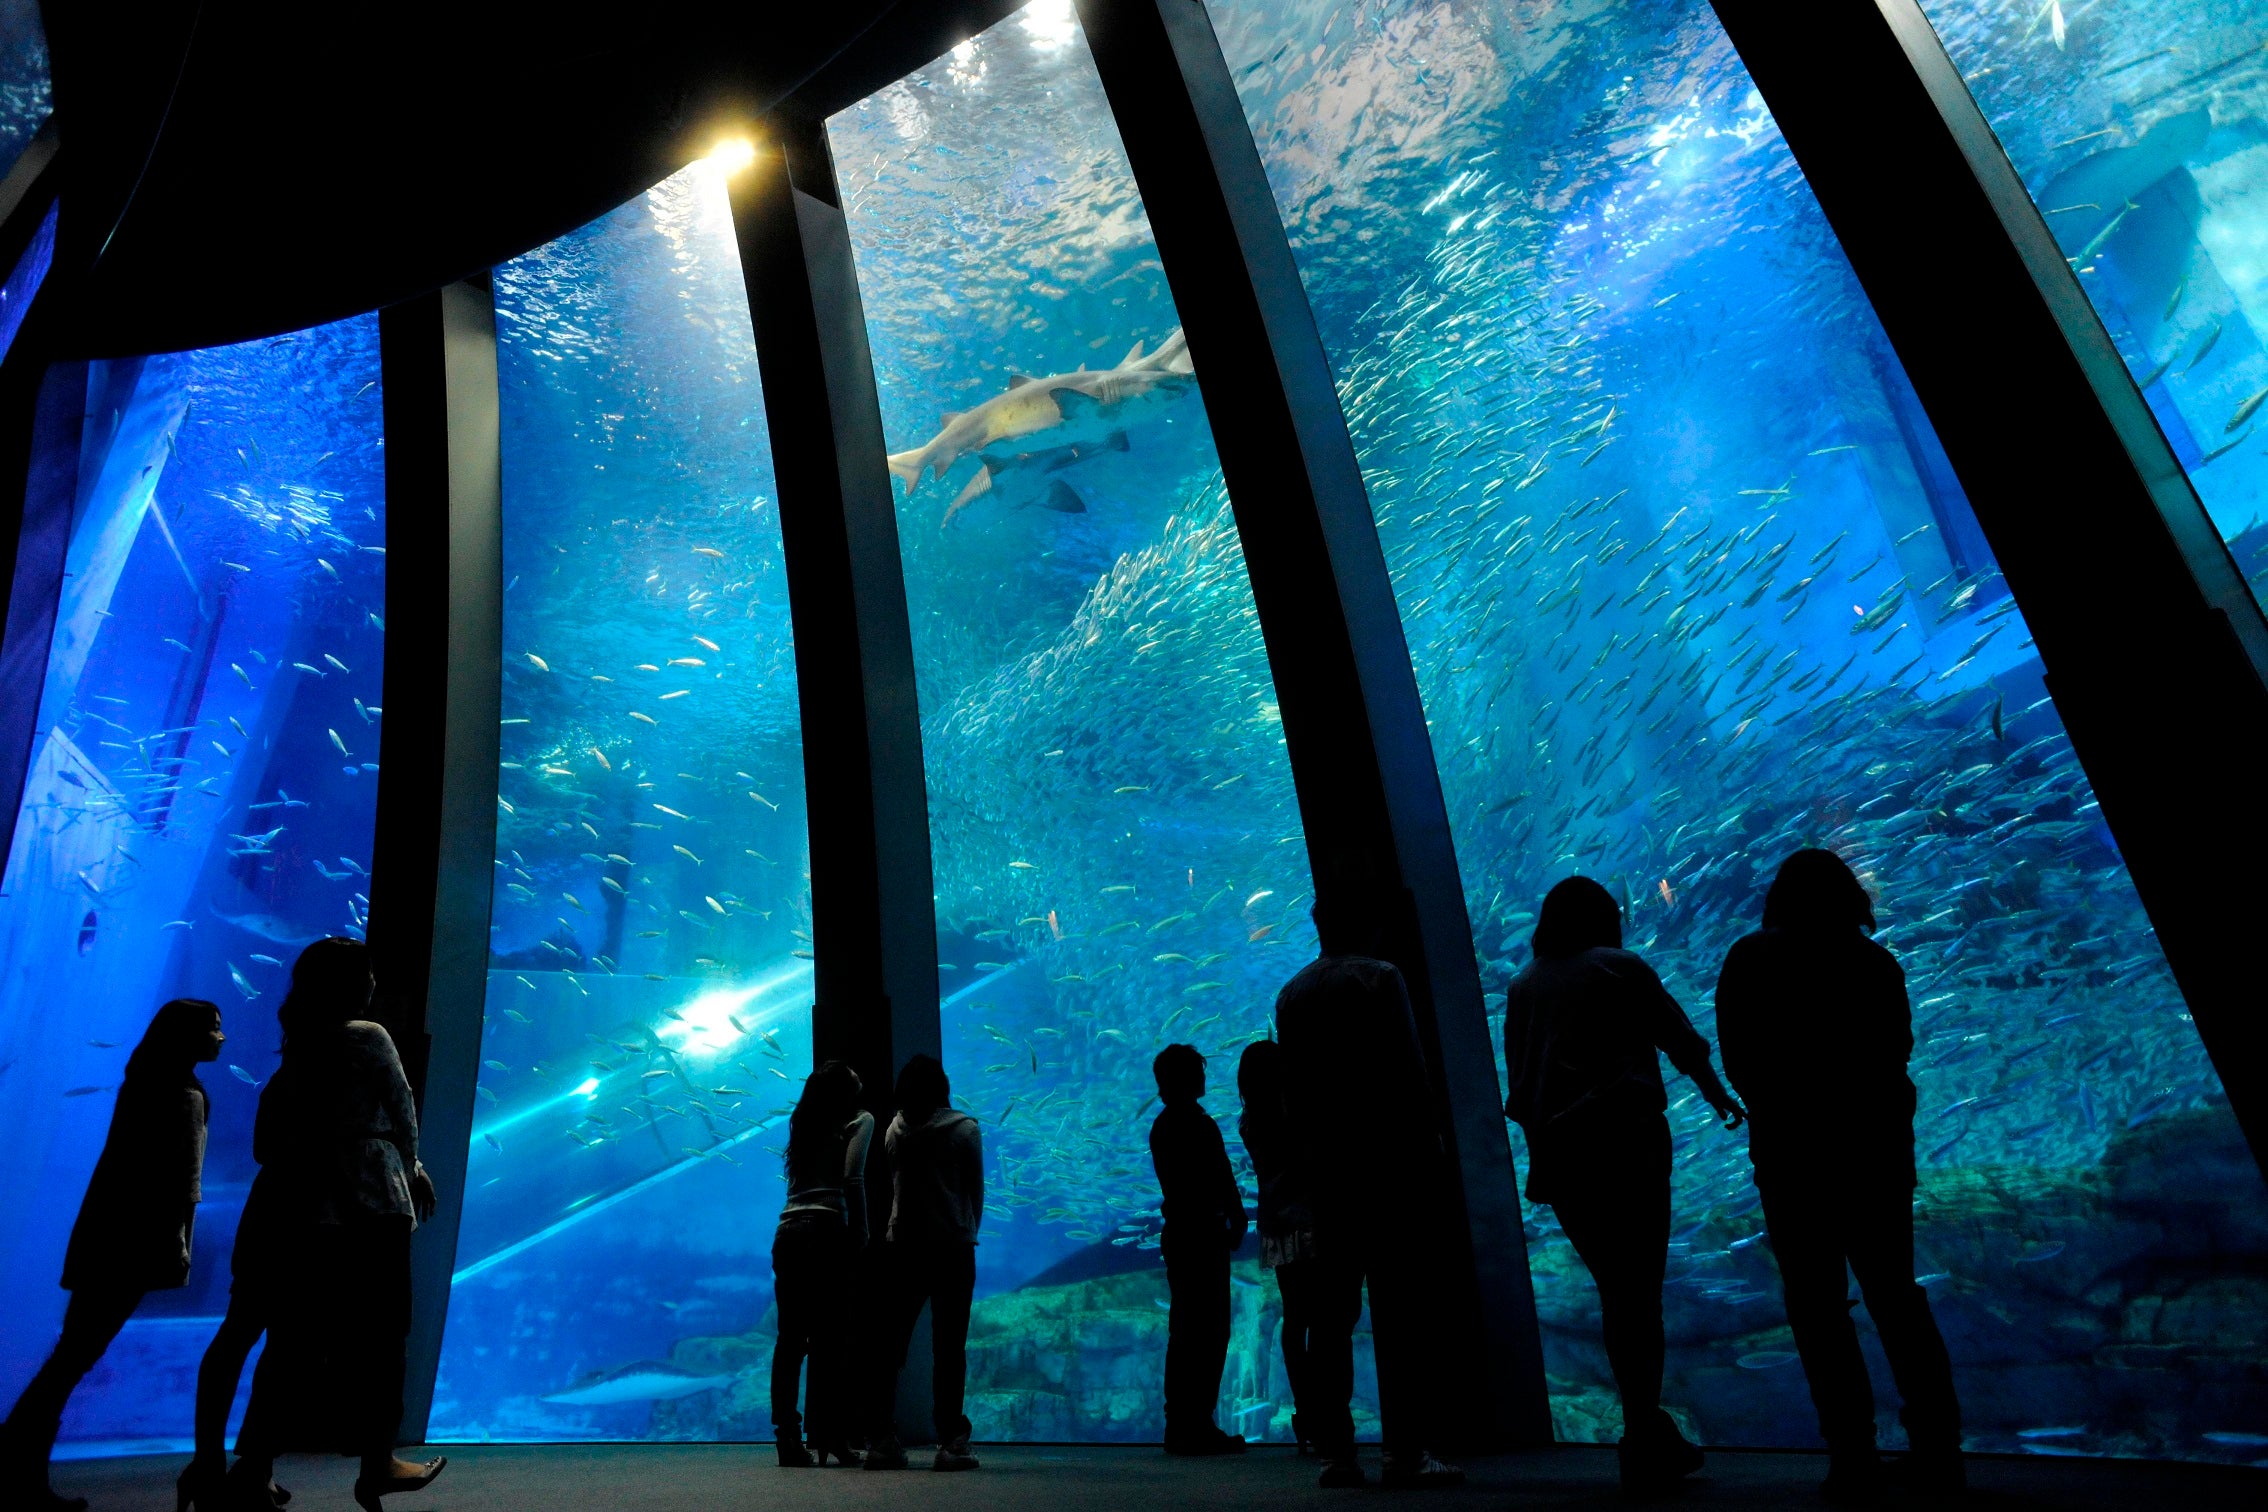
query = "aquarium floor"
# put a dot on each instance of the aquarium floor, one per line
(669, 1477)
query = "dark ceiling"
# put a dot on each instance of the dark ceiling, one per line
(232, 170)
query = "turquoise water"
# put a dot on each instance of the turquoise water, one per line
(2142, 133)
(1119, 859)
(648, 1015)
(200, 798)
(1689, 585)
(1687, 581)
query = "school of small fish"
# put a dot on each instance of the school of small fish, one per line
(200, 747)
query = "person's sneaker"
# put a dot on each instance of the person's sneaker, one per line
(1854, 1479)
(1342, 1475)
(1419, 1471)
(1208, 1441)
(954, 1456)
(885, 1454)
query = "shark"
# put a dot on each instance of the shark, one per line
(1059, 496)
(1081, 411)
(644, 1381)
(269, 927)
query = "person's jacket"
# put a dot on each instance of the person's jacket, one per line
(835, 1191)
(1201, 1203)
(1583, 1040)
(936, 1179)
(337, 1120)
(1360, 1109)
(139, 1215)
(1816, 1033)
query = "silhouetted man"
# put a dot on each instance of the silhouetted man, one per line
(1204, 1225)
(1362, 1118)
(1815, 1029)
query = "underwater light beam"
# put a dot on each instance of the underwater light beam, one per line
(702, 1028)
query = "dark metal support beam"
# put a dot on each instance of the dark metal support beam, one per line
(433, 861)
(1361, 757)
(2155, 651)
(874, 921)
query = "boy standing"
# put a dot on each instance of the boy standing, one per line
(1204, 1225)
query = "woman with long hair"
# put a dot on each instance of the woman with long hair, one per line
(822, 1232)
(1817, 1032)
(1284, 1218)
(338, 1130)
(133, 1232)
(1585, 1026)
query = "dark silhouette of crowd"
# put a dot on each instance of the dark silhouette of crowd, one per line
(1343, 1129)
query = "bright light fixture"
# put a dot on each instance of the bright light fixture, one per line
(733, 154)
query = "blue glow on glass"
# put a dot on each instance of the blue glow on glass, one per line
(185, 826)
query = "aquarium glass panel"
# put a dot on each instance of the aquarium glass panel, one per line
(1119, 860)
(648, 1013)
(1689, 585)
(27, 97)
(24, 280)
(202, 784)
(2141, 131)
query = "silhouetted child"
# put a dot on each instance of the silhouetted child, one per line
(1282, 1214)
(1204, 1225)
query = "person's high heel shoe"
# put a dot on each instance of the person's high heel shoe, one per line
(367, 1491)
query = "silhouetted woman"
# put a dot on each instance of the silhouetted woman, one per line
(814, 1253)
(1817, 1033)
(1582, 1026)
(1285, 1219)
(132, 1235)
(338, 1132)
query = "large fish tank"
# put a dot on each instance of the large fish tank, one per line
(200, 796)
(1687, 581)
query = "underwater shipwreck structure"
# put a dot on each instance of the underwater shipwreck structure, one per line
(949, 521)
